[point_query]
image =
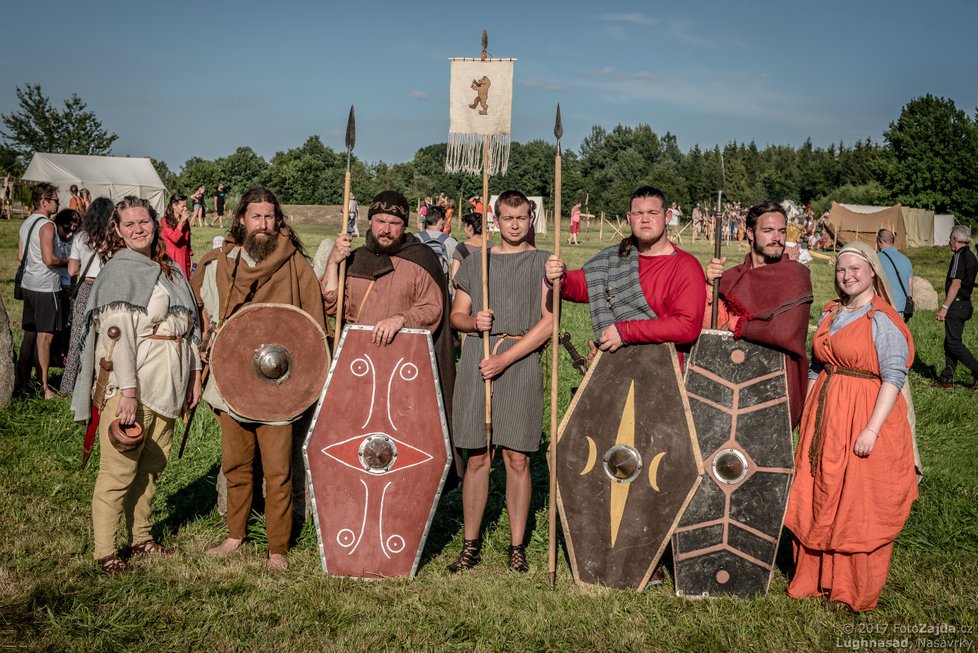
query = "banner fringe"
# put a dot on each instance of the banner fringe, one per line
(465, 153)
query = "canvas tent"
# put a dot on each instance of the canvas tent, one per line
(104, 176)
(943, 223)
(539, 223)
(847, 223)
(919, 225)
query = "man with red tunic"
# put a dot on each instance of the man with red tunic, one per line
(766, 298)
(643, 290)
(261, 261)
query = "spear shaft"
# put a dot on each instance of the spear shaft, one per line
(351, 127)
(554, 376)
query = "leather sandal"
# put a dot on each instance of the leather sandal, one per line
(468, 557)
(151, 547)
(517, 559)
(112, 565)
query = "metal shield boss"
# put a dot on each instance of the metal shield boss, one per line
(627, 465)
(728, 537)
(269, 362)
(377, 454)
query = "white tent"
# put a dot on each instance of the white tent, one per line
(943, 223)
(104, 176)
(540, 220)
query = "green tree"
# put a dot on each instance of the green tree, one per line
(40, 127)
(241, 170)
(932, 159)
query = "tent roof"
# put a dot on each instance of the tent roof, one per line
(847, 225)
(105, 176)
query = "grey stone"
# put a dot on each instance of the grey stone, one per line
(8, 367)
(924, 295)
(322, 255)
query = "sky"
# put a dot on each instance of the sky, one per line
(178, 79)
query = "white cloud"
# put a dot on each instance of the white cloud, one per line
(418, 95)
(633, 18)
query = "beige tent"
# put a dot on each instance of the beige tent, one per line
(918, 224)
(846, 225)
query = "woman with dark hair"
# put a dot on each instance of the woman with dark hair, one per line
(176, 233)
(198, 198)
(76, 203)
(472, 224)
(141, 317)
(84, 263)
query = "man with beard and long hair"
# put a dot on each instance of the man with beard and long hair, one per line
(766, 298)
(273, 268)
(394, 282)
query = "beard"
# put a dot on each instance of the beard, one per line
(383, 248)
(768, 258)
(260, 248)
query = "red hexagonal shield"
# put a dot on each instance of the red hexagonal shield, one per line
(377, 455)
(627, 464)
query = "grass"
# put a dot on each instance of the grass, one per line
(51, 598)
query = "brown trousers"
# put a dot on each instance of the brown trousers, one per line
(274, 443)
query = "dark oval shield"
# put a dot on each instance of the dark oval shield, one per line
(728, 537)
(269, 362)
(377, 455)
(627, 465)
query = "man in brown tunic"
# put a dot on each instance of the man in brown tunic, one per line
(394, 282)
(261, 260)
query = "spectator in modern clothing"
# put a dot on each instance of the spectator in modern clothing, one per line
(41, 284)
(898, 269)
(957, 309)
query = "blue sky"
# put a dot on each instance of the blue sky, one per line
(179, 79)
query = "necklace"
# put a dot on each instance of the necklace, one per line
(852, 309)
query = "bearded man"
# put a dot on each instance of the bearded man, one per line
(394, 282)
(767, 298)
(261, 260)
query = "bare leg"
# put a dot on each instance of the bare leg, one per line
(26, 359)
(518, 492)
(475, 491)
(44, 341)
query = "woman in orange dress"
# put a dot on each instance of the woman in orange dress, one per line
(854, 468)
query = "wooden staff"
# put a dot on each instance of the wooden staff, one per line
(554, 360)
(717, 228)
(351, 137)
(485, 260)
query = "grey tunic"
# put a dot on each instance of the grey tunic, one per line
(515, 293)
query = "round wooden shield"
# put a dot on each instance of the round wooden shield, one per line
(269, 362)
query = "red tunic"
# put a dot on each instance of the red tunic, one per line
(177, 241)
(674, 287)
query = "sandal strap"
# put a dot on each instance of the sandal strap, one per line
(517, 558)
(468, 557)
(151, 547)
(112, 564)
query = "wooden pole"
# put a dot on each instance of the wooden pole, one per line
(341, 287)
(485, 283)
(554, 376)
(601, 228)
(717, 228)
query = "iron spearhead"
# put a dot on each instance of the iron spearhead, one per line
(558, 125)
(351, 131)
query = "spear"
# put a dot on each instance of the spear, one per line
(485, 260)
(554, 359)
(351, 137)
(717, 235)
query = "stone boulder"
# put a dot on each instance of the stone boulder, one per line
(8, 365)
(924, 296)
(322, 255)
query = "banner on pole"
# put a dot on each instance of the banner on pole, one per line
(481, 99)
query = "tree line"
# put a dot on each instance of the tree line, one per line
(928, 159)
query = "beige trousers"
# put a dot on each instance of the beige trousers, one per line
(127, 481)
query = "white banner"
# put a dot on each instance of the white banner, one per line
(481, 104)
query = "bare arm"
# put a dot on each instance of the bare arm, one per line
(884, 404)
(48, 256)
(537, 335)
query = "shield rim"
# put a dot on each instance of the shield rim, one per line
(691, 430)
(444, 429)
(243, 311)
(789, 476)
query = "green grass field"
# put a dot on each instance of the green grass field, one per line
(52, 598)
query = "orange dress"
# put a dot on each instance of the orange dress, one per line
(846, 514)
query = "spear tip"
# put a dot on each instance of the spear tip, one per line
(558, 125)
(351, 131)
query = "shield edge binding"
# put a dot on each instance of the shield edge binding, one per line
(245, 418)
(568, 541)
(444, 428)
(789, 477)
